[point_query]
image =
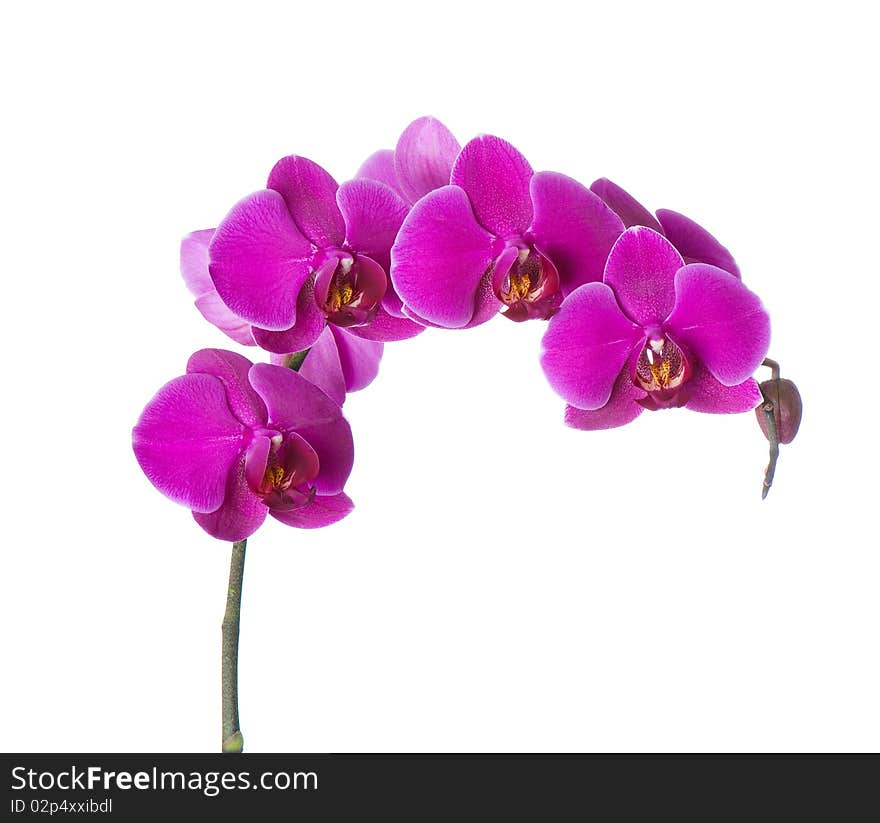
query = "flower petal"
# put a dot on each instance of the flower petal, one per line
(424, 156)
(440, 256)
(373, 215)
(310, 194)
(194, 268)
(231, 370)
(708, 395)
(359, 358)
(310, 322)
(694, 242)
(496, 178)
(297, 405)
(641, 269)
(216, 312)
(259, 261)
(573, 227)
(622, 203)
(194, 261)
(380, 166)
(186, 441)
(324, 510)
(586, 345)
(323, 368)
(385, 328)
(241, 512)
(720, 321)
(620, 409)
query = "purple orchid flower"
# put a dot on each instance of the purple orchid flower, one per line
(499, 236)
(235, 441)
(305, 252)
(693, 242)
(339, 362)
(657, 333)
(422, 161)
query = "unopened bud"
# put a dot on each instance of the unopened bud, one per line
(787, 408)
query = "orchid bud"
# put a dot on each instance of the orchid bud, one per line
(787, 408)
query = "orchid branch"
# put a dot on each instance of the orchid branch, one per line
(233, 741)
(773, 437)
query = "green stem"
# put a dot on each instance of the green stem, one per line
(232, 737)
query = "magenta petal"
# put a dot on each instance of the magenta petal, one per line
(194, 268)
(380, 166)
(439, 258)
(323, 368)
(620, 409)
(496, 178)
(187, 439)
(241, 513)
(373, 215)
(720, 321)
(706, 394)
(622, 203)
(256, 460)
(573, 227)
(297, 405)
(694, 242)
(359, 358)
(641, 269)
(194, 261)
(586, 345)
(310, 322)
(385, 328)
(424, 156)
(310, 194)
(215, 311)
(324, 510)
(232, 370)
(259, 261)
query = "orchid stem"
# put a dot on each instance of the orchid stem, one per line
(295, 361)
(773, 366)
(233, 741)
(772, 434)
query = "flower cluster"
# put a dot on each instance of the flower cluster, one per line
(645, 312)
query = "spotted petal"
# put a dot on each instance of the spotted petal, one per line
(187, 439)
(694, 242)
(373, 215)
(573, 227)
(586, 345)
(194, 268)
(241, 512)
(324, 510)
(424, 156)
(260, 260)
(641, 269)
(620, 409)
(231, 370)
(380, 166)
(720, 321)
(496, 178)
(310, 322)
(310, 194)
(439, 258)
(630, 211)
(708, 395)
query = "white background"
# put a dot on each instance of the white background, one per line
(505, 583)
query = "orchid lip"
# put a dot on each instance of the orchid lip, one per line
(279, 469)
(662, 369)
(351, 291)
(530, 289)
